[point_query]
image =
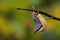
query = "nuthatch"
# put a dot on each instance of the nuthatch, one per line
(40, 21)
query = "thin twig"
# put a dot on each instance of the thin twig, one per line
(46, 14)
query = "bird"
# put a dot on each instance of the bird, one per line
(40, 22)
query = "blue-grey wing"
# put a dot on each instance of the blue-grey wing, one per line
(38, 24)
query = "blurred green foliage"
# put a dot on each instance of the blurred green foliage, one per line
(18, 25)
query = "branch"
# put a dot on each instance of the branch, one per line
(46, 14)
